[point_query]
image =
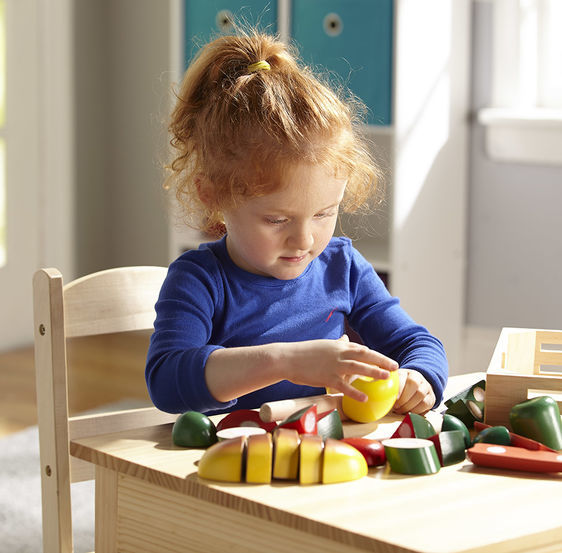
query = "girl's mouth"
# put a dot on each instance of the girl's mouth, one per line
(296, 259)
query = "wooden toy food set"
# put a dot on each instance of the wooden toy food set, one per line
(514, 419)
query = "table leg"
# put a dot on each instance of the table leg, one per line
(106, 510)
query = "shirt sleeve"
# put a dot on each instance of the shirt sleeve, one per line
(179, 346)
(384, 326)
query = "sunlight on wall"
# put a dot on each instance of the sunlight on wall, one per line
(423, 103)
(420, 147)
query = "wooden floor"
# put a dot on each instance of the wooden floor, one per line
(92, 362)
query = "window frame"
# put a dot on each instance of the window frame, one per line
(519, 127)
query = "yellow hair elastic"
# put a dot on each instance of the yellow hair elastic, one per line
(259, 66)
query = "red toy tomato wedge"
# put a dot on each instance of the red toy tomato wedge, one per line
(371, 449)
(245, 417)
(304, 421)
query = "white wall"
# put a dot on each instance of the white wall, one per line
(122, 61)
(515, 225)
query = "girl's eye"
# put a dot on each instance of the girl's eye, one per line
(324, 214)
(275, 221)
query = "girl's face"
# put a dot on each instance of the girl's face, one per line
(279, 234)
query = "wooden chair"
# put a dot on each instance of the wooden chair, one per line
(116, 300)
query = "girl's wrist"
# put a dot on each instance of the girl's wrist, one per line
(278, 360)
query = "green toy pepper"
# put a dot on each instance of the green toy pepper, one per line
(539, 419)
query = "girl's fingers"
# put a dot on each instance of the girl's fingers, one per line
(371, 357)
(350, 391)
(416, 394)
(418, 404)
(364, 369)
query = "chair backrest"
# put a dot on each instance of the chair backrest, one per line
(116, 300)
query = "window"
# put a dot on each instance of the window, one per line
(524, 122)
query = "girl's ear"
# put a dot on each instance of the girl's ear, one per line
(205, 190)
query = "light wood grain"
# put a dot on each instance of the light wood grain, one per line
(115, 300)
(52, 411)
(505, 388)
(110, 301)
(106, 510)
(179, 523)
(526, 354)
(88, 425)
(461, 509)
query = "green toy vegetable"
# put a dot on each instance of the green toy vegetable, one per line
(539, 419)
(193, 429)
(451, 422)
(494, 435)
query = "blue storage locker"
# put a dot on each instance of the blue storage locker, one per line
(207, 19)
(352, 38)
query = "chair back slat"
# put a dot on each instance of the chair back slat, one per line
(116, 300)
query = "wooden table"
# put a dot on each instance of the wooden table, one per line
(150, 499)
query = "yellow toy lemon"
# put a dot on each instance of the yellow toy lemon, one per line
(381, 396)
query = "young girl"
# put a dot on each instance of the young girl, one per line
(267, 155)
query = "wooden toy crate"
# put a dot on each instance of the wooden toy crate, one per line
(526, 363)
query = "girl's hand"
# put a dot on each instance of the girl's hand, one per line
(334, 363)
(415, 394)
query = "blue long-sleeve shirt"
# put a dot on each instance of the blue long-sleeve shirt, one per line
(207, 302)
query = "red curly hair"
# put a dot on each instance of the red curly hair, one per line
(237, 131)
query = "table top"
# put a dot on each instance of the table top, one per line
(460, 509)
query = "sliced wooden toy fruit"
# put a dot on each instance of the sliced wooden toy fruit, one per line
(468, 405)
(450, 447)
(451, 422)
(414, 426)
(342, 462)
(411, 455)
(286, 454)
(235, 431)
(303, 420)
(194, 429)
(372, 450)
(259, 458)
(329, 425)
(245, 417)
(223, 461)
(517, 440)
(381, 395)
(514, 458)
(310, 459)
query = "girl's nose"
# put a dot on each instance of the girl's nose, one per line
(301, 237)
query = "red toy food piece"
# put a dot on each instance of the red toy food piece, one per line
(245, 417)
(304, 421)
(372, 450)
(514, 458)
(517, 440)
(414, 426)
